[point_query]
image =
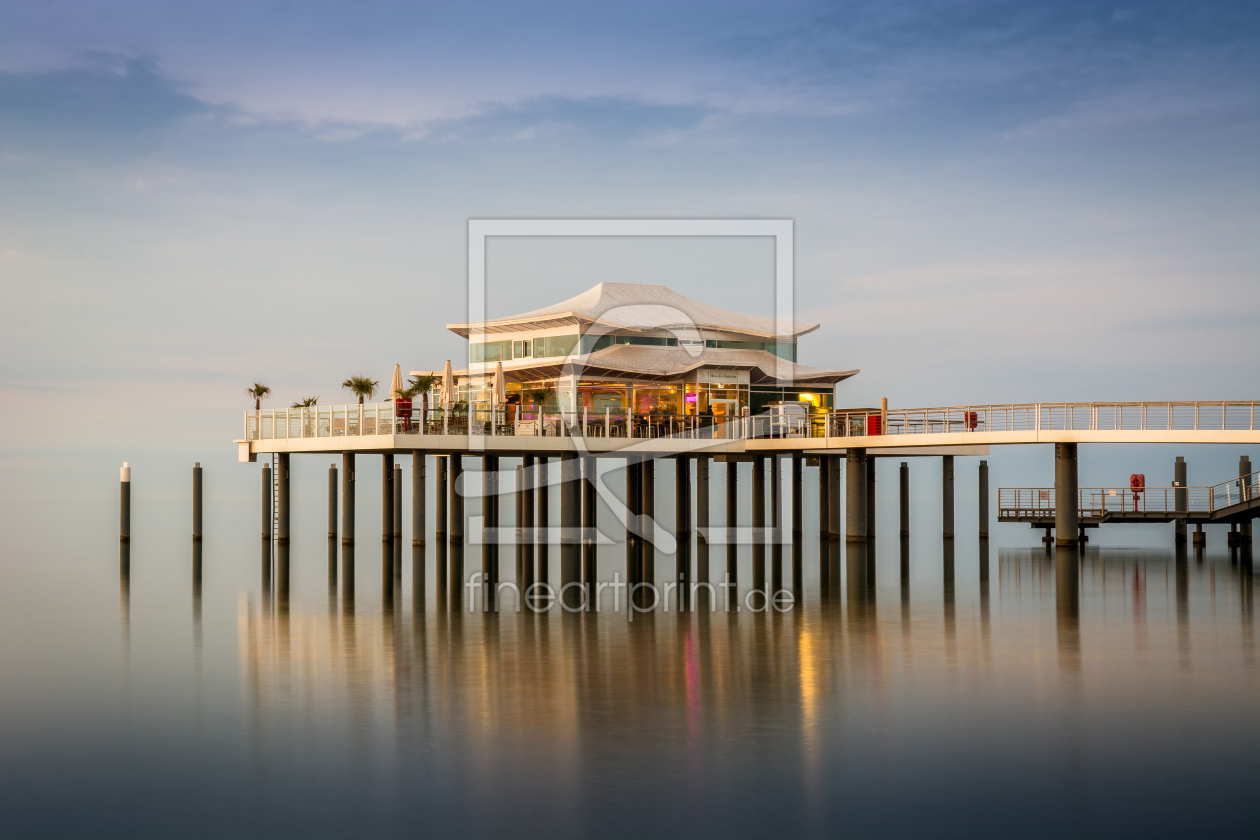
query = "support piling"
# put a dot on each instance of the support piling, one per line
(1066, 510)
(196, 512)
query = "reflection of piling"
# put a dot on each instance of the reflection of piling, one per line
(196, 512)
(282, 572)
(1067, 591)
(124, 503)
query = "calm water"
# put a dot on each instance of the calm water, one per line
(1111, 696)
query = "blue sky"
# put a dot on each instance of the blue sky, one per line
(993, 201)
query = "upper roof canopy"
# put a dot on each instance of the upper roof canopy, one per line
(637, 306)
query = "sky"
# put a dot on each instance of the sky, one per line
(993, 201)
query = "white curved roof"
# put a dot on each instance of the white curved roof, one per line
(638, 306)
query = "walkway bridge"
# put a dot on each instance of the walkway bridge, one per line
(505, 430)
(1230, 502)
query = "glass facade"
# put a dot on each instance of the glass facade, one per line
(563, 345)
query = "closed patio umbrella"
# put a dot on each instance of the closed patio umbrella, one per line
(448, 384)
(395, 384)
(500, 386)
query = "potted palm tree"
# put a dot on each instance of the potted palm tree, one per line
(259, 393)
(421, 386)
(308, 424)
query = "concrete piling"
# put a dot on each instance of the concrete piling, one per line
(855, 502)
(702, 518)
(682, 526)
(570, 524)
(266, 503)
(332, 501)
(489, 528)
(903, 505)
(387, 498)
(759, 523)
(947, 497)
(825, 530)
(776, 524)
(544, 538)
(456, 507)
(527, 521)
(732, 521)
(441, 498)
(124, 503)
(834, 478)
(870, 498)
(798, 524)
(1244, 529)
(984, 500)
(634, 501)
(196, 512)
(1181, 499)
(397, 486)
(1066, 504)
(518, 532)
(282, 538)
(648, 521)
(347, 499)
(590, 541)
(417, 498)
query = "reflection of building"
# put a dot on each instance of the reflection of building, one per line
(641, 348)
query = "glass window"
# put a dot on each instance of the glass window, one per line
(521, 349)
(783, 351)
(556, 345)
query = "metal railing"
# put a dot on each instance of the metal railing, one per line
(510, 420)
(506, 421)
(1029, 417)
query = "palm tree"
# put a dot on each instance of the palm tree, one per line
(538, 396)
(305, 402)
(259, 393)
(361, 387)
(421, 386)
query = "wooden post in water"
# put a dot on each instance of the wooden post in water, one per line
(196, 513)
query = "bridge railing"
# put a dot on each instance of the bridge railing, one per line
(1027, 417)
(1241, 489)
(1098, 501)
